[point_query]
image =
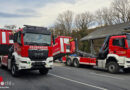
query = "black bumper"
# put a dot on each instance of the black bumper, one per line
(38, 65)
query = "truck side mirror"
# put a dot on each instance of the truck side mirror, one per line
(53, 37)
(19, 38)
(15, 37)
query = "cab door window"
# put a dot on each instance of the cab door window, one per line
(119, 42)
(116, 42)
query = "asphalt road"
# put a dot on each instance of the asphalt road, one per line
(67, 78)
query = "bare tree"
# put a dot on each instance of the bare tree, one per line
(115, 17)
(121, 9)
(64, 22)
(104, 17)
(98, 17)
(129, 15)
(58, 30)
(83, 21)
(119, 12)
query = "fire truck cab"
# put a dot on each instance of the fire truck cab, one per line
(115, 53)
(32, 50)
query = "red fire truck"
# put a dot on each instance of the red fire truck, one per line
(113, 55)
(31, 50)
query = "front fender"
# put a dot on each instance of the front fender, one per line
(120, 59)
(113, 55)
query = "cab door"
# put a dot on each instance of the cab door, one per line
(118, 47)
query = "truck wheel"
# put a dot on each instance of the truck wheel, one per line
(76, 63)
(14, 70)
(113, 67)
(44, 71)
(68, 62)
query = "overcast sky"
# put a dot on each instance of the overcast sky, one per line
(43, 12)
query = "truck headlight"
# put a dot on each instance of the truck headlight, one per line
(23, 61)
(50, 61)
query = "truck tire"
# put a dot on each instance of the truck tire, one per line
(113, 67)
(44, 71)
(76, 63)
(14, 70)
(68, 62)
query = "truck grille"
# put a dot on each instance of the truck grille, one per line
(38, 65)
(38, 55)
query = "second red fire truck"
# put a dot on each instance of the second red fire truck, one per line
(113, 55)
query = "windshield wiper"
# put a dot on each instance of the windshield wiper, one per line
(34, 43)
(30, 43)
(45, 44)
(26, 43)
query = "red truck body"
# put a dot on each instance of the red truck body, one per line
(63, 45)
(82, 60)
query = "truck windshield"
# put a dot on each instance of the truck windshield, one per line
(128, 40)
(37, 39)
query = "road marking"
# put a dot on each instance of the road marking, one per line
(59, 64)
(66, 68)
(107, 76)
(78, 82)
